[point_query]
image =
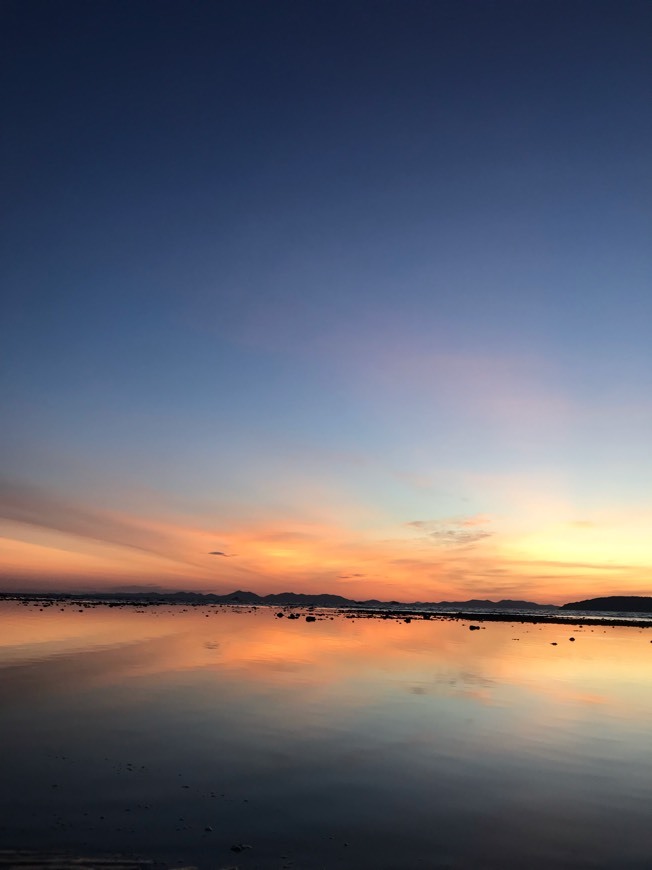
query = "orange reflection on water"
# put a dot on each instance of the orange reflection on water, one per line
(362, 723)
(603, 664)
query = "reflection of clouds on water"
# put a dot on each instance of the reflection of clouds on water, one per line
(369, 713)
(65, 673)
(307, 663)
(471, 678)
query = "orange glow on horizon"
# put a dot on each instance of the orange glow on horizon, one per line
(456, 559)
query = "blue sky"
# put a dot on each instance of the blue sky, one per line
(327, 270)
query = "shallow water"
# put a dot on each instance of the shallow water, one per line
(343, 743)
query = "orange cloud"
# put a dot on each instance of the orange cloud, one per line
(538, 552)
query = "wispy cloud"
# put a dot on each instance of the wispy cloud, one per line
(453, 531)
(51, 535)
(34, 506)
(51, 512)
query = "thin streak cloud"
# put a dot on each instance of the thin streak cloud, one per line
(34, 506)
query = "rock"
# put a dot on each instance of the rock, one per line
(554, 643)
(311, 618)
(280, 615)
(571, 638)
(208, 829)
(240, 847)
(474, 628)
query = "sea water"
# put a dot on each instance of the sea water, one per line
(184, 734)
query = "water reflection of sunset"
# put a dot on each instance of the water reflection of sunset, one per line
(259, 649)
(347, 724)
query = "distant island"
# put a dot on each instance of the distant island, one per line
(607, 604)
(298, 599)
(614, 604)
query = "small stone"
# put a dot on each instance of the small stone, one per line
(240, 847)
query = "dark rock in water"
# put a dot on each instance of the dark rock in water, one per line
(554, 643)
(407, 619)
(571, 638)
(474, 628)
(311, 618)
(240, 847)
(293, 616)
(208, 828)
(280, 615)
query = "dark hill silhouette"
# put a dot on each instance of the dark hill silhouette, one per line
(299, 599)
(614, 604)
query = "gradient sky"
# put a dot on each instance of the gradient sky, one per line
(345, 297)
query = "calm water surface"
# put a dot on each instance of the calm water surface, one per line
(343, 743)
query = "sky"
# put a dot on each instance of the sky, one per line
(348, 297)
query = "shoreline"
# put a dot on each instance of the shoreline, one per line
(577, 619)
(523, 618)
